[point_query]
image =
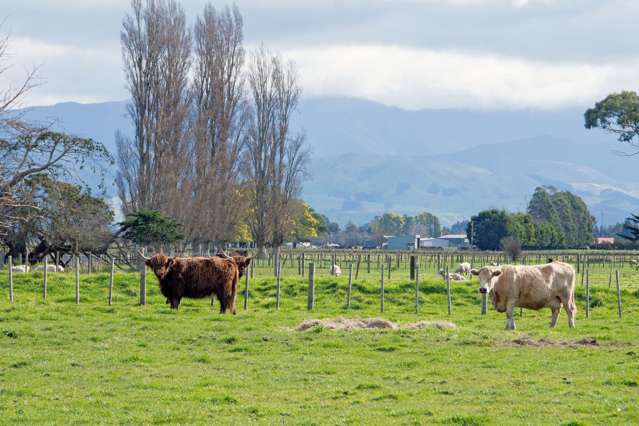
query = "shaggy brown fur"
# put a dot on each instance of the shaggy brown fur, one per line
(196, 277)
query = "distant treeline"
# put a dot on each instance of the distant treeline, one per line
(554, 220)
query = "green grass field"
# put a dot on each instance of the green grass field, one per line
(62, 363)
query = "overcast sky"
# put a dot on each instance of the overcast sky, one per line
(407, 53)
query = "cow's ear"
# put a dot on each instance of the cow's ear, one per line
(247, 261)
(474, 271)
(496, 272)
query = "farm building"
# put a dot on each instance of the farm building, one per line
(604, 241)
(456, 240)
(434, 243)
(400, 242)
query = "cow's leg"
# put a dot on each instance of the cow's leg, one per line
(510, 315)
(555, 307)
(222, 303)
(233, 295)
(175, 302)
(571, 309)
(555, 315)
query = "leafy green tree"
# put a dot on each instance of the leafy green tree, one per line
(521, 227)
(64, 218)
(488, 228)
(631, 229)
(618, 113)
(541, 207)
(548, 236)
(148, 227)
(388, 224)
(566, 213)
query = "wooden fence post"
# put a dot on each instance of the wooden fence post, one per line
(359, 260)
(587, 292)
(350, 286)
(412, 267)
(310, 302)
(450, 300)
(303, 263)
(77, 280)
(381, 293)
(610, 279)
(111, 281)
(44, 282)
(618, 294)
(415, 271)
(11, 279)
(484, 304)
(142, 280)
(246, 286)
(277, 284)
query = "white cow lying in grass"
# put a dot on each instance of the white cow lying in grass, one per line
(50, 268)
(453, 276)
(20, 268)
(336, 270)
(533, 287)
(464, 268)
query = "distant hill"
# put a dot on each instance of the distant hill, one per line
(368, 158)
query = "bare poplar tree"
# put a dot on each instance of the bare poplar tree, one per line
(275, 159)
(220, 117)
(156, 50)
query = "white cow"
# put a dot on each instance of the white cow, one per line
(453, 276)
(20, 268)
(464, 268)
(336, 270)
(551, 285)
(50, 268)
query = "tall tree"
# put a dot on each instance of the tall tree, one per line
(156, 48)
(567, 213)
(220, 120)
(488, 228)
(276, 158)
(618, 113)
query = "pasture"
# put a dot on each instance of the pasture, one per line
(93, 363)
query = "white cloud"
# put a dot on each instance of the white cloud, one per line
(418, 78)
(66, 72)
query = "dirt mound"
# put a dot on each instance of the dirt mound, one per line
(369, 323)
(526, 341)
(442, 325)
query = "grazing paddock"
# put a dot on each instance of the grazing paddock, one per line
(93, 363)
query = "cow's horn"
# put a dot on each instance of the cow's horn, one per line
(143, 256)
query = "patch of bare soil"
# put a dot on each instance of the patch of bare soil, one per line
(526, 341)
(371, 323)
(442, 325)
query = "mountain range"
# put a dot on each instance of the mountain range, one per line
(368, 158)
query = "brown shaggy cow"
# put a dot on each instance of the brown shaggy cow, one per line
(241, 258)
(196, 277)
